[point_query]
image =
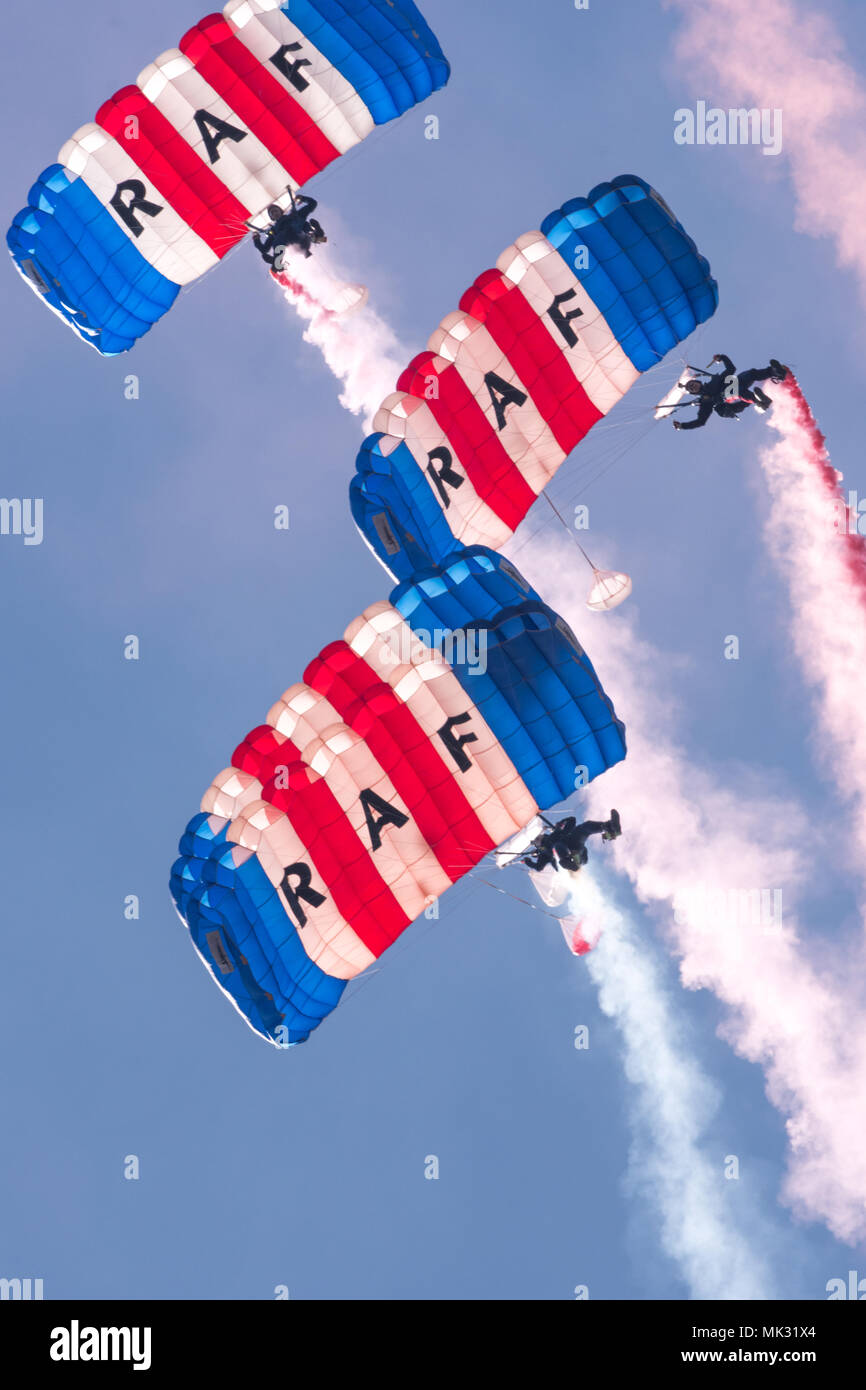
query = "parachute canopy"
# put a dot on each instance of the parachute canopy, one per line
(610, 588)
(540, 349)
(438, 726)
(158, 188)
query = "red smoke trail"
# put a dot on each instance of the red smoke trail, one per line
(815, 446)
(812, 537)
(297, 291)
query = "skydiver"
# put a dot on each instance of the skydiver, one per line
(565, 842)
(295, 228)
(714, 394)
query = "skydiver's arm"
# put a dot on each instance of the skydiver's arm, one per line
(705, 410)
(532, 860)
(727, 364)
(305, 205)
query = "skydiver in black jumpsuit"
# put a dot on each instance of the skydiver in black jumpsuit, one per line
(712, 394)
(295, 228)
(566, 842)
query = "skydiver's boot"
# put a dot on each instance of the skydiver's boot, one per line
(762, 401)
(615, 827)
(780, 371)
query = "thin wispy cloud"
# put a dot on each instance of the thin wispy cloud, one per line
(785, 55)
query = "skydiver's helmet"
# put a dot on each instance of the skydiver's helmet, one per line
(275, 212)
(694, 387)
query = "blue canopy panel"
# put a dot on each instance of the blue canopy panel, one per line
(81, 262)
(535, 685)
(384, 48)
(245, 938)
(395, 509)
(643, 271)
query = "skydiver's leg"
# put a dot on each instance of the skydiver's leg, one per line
(572, 854)
(746, 381)
(569, 861)
(575, 846)
(268, 254)
(591, 827)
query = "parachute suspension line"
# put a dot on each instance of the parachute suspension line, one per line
(569, 532)
(609, 588)
(581, 475)
(534, 907)
(615, 455)
(406, 943)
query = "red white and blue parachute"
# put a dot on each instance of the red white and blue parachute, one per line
(440, 724)
(540, 349)
(158, 188)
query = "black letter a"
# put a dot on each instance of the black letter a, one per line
(502, 395)
(212, 130)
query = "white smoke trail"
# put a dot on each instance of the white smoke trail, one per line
(673, 1104)
(361, 349)
(714, 859)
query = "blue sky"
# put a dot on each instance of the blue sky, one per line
(307, 1169)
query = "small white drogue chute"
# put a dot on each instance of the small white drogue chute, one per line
(347, 299)
(610, 588)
